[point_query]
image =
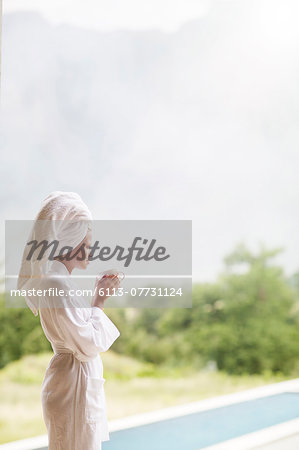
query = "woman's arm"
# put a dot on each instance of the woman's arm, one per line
(86, 337)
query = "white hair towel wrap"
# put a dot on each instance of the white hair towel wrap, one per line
(63, 217)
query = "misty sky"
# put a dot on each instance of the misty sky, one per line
(106, 15)
(198, 123)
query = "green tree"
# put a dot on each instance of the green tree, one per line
(251, 327)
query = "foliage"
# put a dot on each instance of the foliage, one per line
(20, 334)
(246, 322)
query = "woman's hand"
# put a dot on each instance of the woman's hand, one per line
(104, 289)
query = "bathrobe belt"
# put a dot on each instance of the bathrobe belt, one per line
(57, 349)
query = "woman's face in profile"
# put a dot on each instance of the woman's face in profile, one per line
(81, 260)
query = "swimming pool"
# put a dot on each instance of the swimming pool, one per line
(201, 429)
(256, 418)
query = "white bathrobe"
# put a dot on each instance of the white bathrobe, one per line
(73, 398)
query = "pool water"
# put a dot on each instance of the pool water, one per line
(197, 430)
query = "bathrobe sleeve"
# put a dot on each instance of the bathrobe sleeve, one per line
(86, 337)
(86, 333)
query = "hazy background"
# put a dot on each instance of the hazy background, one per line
(167, 110)
(178, 109)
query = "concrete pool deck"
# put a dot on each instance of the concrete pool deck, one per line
(289, 443)
(264, 439)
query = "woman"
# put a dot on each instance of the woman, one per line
(72, 395)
